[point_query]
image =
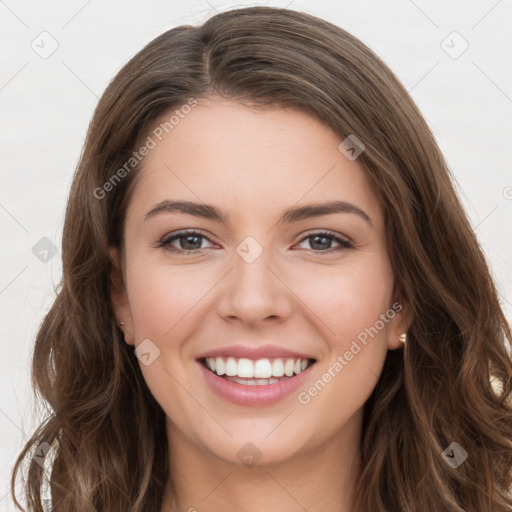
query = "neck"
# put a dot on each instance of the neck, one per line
(318, 480)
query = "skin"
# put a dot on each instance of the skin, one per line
(298, 294)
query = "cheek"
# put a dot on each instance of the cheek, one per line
(161, 296)
(350, 306)
(346, 299)
(164, 300)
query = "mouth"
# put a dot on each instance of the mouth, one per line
(260, 372)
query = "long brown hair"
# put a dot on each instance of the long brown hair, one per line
(452, 382)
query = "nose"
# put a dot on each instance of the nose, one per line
(253, 292)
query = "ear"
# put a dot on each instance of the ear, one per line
(119, 297)
(399, 322)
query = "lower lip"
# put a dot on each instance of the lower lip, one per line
(241, 394)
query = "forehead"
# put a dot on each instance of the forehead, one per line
(254, 161)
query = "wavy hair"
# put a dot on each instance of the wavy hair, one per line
(451, 382)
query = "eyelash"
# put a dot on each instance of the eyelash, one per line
(166, 241)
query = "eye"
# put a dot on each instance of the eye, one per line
(188, 240)
(321, 239)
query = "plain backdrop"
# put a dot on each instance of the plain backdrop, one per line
(57, 58)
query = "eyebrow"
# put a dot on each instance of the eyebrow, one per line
(211, 212)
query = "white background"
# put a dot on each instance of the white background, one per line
(46, 105)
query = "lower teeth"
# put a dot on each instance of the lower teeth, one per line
(255, 382)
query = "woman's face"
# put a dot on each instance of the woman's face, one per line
(259, 286)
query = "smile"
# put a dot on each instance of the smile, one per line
(248, 382)
(261, 372)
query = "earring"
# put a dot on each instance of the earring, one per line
(121, 323)
(403, 337)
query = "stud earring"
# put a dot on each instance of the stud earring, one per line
(403, 337)
(121, 323)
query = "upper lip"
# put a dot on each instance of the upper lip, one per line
(255, 353)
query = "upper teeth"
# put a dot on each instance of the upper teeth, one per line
(260, 369)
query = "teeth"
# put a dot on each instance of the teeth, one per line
(245, 368)
(278, 367)
(220, 366)
(231, 367)
(263, 369)
(253, 382)
(288, 367)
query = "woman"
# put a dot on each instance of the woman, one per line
(272, 298)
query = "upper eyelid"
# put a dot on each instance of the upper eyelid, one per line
(191, 232)
(307, 234)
